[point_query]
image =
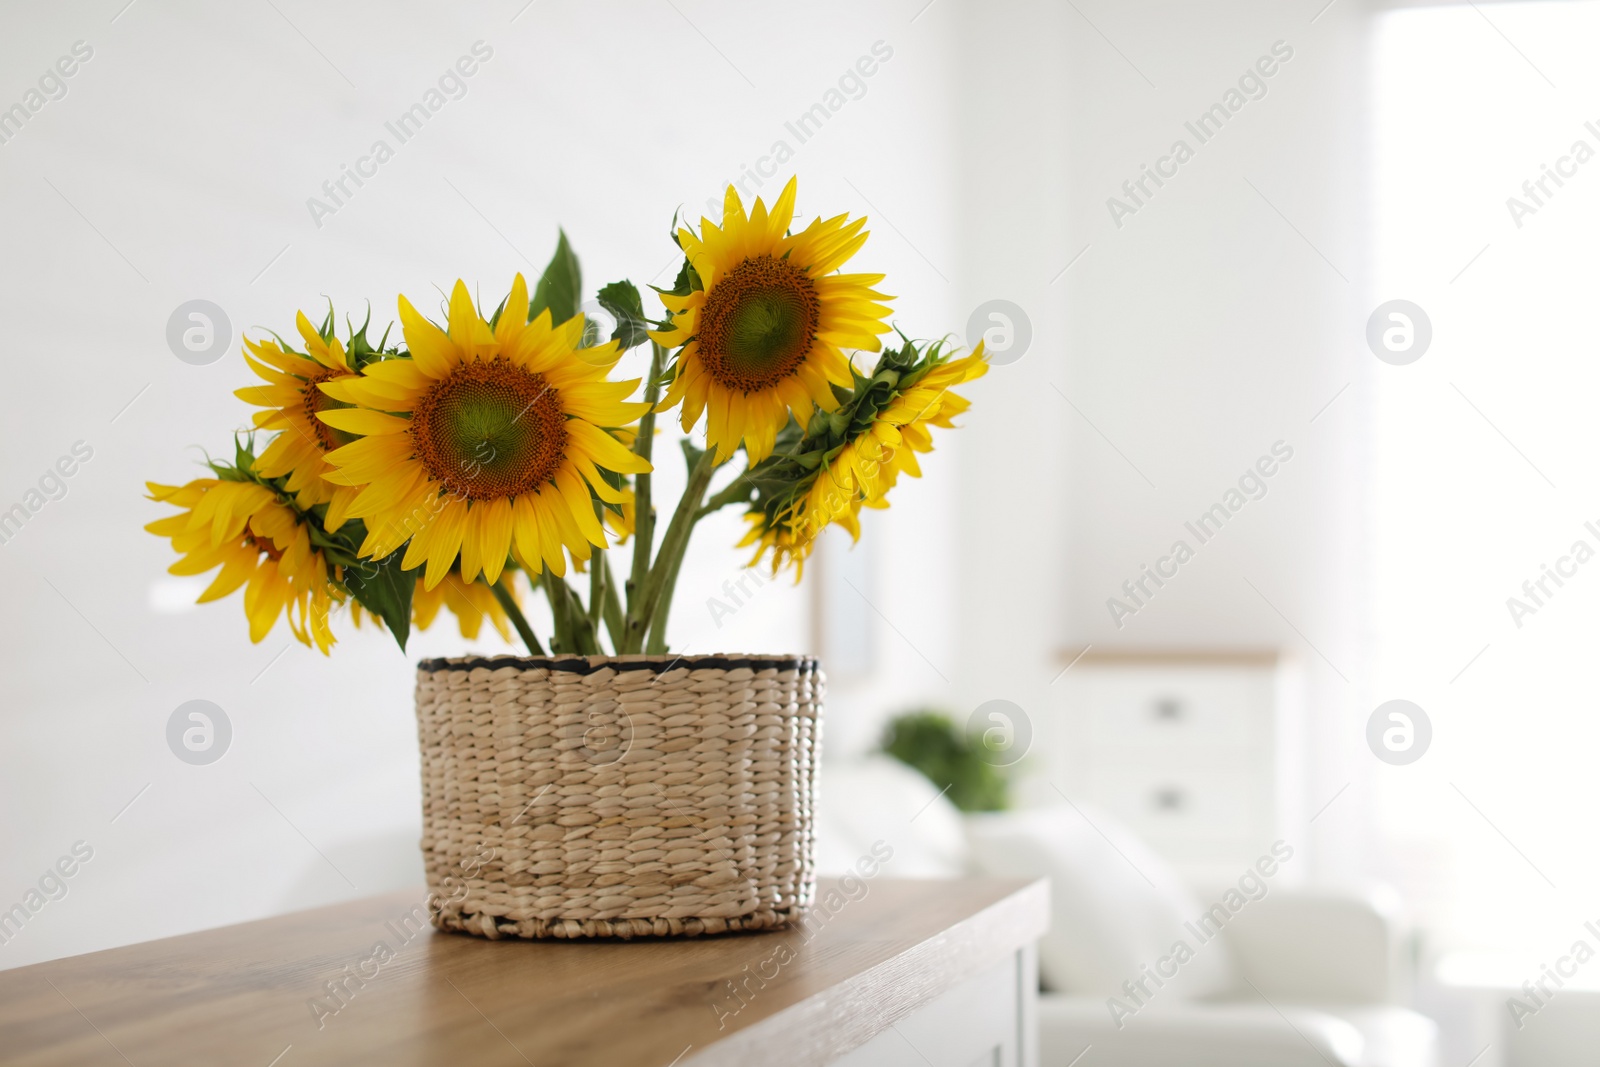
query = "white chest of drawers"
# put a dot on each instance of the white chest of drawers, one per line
(1200, 753)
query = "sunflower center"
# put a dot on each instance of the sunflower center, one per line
(314, 400)
(758, 323)
(490, 430)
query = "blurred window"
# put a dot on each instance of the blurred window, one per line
(1485, 462)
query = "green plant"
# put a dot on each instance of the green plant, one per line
(929, 742)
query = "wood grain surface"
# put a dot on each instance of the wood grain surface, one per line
(360, 983)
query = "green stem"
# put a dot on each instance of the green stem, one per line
(643, 506)
(597, 592)
(736, 492)
(674, 543)
(555, 592)
(657, 644)
(583, 637)
(612, 611)
(518, 620)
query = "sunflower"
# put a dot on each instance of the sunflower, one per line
(888, 429)
(785, 543)
(293, 399)
(261, 543)
(488, 441)
(470, 604)
(762, 318)
(872, 463)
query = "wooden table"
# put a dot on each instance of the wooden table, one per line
(906, 972)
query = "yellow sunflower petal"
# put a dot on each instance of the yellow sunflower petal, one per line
(431, 348)
(514, 316)
(471, 544)
(495, 538)
(363, 421)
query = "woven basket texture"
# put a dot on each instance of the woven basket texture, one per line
(618, 796)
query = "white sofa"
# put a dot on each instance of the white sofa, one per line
(1291, 978)
(1315, 986)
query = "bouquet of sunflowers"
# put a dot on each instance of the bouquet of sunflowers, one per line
(399, 477)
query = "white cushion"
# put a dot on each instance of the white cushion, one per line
(1394, 1037)
(1317, 946)
(1243, 1034)
(863, 801)
(1191, 1035)
(1116, 907)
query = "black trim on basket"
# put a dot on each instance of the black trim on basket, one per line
(582, 665)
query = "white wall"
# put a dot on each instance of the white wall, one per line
(1176, 351)
(178, 166)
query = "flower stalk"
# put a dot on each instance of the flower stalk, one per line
(508, 604)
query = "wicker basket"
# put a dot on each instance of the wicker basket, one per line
(618, 796)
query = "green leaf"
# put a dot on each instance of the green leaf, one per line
(244, 456)
(623, 301)
(615, 481)
(691, 454)
(560, 288)
(688, 281)
(359, 349)
(384, 589)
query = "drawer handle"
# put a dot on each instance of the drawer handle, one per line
(1169, 709)
(1170, 798)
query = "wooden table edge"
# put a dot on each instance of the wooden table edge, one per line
(856, 1010)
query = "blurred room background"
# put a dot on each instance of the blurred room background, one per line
(1159, 340)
